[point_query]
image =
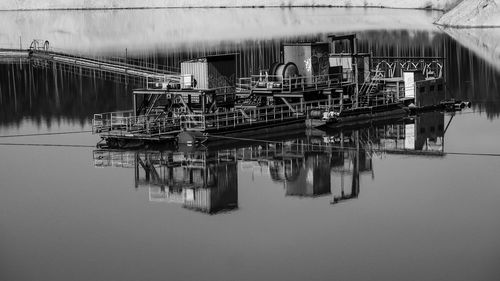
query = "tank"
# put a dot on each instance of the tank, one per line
(282, 70)
(310, 58)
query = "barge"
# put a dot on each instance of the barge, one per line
(208, 100)
(315, 84)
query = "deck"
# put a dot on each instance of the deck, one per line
(157, 127)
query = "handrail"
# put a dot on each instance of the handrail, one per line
(288, 84)
(265, 114)
(124, 124)
(40, 49)
(427, 65)
(115, 60)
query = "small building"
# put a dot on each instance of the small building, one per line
(429, 92)
(211, 72)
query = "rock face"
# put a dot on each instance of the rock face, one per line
(473, 13)
(120, 4)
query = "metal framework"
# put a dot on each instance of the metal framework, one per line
(431, 67)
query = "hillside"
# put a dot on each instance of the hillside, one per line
(473, 13)
(112, 31)
(121, 4)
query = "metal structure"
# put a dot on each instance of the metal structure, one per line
(312, 77)
(43, 55)
(205, 98)
(431, 67)
(197, 180)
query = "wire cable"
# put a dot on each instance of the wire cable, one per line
(231, 138)
(353, 148)
(45, 134)
(47, 145)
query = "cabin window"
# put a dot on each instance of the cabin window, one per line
(422, 89)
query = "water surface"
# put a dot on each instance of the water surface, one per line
(391, 202)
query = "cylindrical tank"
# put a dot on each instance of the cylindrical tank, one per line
(284, 71)
(316, 114)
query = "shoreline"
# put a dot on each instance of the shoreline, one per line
(468, 26)
(258, 7)
(224, 7)
(37, 5)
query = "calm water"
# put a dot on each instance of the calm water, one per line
(306, 205)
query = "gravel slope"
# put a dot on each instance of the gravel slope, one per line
(473, 13)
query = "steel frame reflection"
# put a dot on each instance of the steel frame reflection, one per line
(205, 179)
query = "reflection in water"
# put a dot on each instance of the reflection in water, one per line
(311, 164)
(199, 180)
(310, 176)
(472, 78)
(89, 219)
(482, 41)
(28, 90)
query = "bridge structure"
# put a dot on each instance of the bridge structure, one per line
(41, 54)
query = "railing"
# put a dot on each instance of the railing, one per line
(161, 75)
(106, 121)
(126, 124)
(106, 158)
(394, 66)
(40, 45)
(370, 88)
(111, 66)
(290, 84)
(249, 116)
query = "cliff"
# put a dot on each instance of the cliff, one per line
(473, 13)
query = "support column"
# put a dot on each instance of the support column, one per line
(136, 171)
(134, 100)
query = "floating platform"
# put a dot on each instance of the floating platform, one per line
(329, 78)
